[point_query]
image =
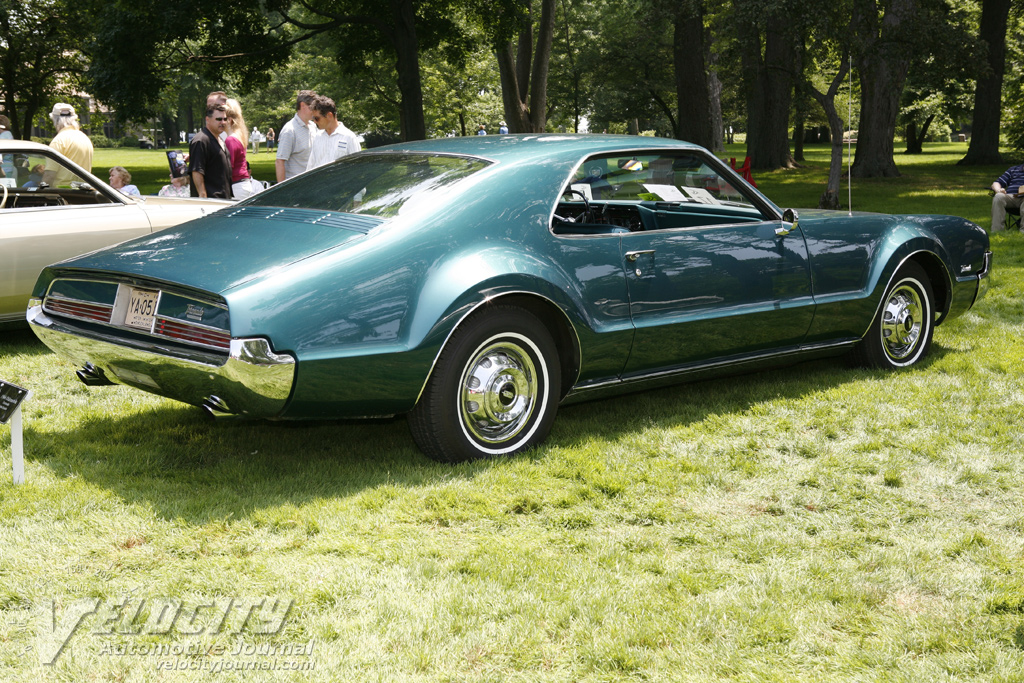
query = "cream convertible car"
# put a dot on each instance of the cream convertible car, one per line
(51, 209)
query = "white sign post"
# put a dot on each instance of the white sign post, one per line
(11, 398)
(17, 447)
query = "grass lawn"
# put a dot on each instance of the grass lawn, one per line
(150, 171)
(818, 523)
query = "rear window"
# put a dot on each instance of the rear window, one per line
(382, 185)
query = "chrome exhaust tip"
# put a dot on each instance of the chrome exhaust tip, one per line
(215, 407)
(92, 376)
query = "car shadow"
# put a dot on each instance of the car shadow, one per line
(172, 459)
(21, 340)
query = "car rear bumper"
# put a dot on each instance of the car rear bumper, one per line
(253, 381)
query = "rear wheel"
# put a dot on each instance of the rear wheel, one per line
(902, 331)
(494, 390)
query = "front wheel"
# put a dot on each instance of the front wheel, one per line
(494, 390)
(902, 331)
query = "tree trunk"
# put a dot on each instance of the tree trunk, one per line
(525, 71)
(915, 139)
(984, 147)
(715, 92)
(830, 198)
(693, 98)
(883, 62)
(768, 81)
(403, 36)
(800, 104)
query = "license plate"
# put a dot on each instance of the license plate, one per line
(141, 309)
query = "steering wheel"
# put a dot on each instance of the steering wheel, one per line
(584, 217)
(4, 200)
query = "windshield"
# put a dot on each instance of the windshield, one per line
(37, 171)
(382, 185)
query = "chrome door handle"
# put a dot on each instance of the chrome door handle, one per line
(632, 256)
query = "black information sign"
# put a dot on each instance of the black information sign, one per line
(11, 396)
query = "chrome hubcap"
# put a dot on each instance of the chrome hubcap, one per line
(902, 322)
(499, 392)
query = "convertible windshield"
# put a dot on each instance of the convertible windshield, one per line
(376, 184)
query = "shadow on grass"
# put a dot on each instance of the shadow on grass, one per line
(20, 340)
(694, 402)
(175, 461)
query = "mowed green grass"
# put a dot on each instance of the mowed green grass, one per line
(816, 523)
(150, 171)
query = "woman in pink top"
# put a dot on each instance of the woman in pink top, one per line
(237, 142)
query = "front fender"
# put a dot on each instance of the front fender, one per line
(853, 258)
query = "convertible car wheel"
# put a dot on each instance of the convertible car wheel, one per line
(494, 390)
(902, 331)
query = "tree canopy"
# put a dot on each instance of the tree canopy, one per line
(420, 68)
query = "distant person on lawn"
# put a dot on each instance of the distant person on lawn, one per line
(295, 140)
(69, 141)
(120, 180)
(208, 159)
(1008, 194)
(333, 140)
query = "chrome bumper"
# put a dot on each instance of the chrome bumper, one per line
(983, 277)
(253, 380)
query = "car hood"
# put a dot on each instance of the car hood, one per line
(223, 251)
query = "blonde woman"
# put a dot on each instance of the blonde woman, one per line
(237, 142)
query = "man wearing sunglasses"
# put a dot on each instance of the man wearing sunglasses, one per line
(208, 161)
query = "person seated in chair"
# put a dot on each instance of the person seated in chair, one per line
(1008, 194)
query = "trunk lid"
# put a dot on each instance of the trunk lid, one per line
(226, 250)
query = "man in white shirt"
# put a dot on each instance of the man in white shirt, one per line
(333, 140)
(293, 142)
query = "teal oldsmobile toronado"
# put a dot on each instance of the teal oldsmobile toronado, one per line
(476, 283)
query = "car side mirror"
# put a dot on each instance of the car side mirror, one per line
(792, 218)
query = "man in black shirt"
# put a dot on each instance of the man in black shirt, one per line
(208, 160)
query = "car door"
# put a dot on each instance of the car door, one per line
(711, 275)
(697, 294)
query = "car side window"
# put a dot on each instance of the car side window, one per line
(34, 180)
(684, 178)
(652, 191)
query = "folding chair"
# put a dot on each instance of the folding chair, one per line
(1013, 218)
(1012, 221)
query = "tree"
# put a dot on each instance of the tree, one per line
(524, 62)
(883, 50)
(830, 197)
(33, 70)
(135, 59)
(938, 86)
(240, 42)
(693, 91)
(570, 83)
(768, 77)
(630, 59)
(984, 147)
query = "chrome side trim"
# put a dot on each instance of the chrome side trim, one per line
(678, 373)
(254, 380)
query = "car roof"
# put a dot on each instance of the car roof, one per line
(22, 146)
(527, 147)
